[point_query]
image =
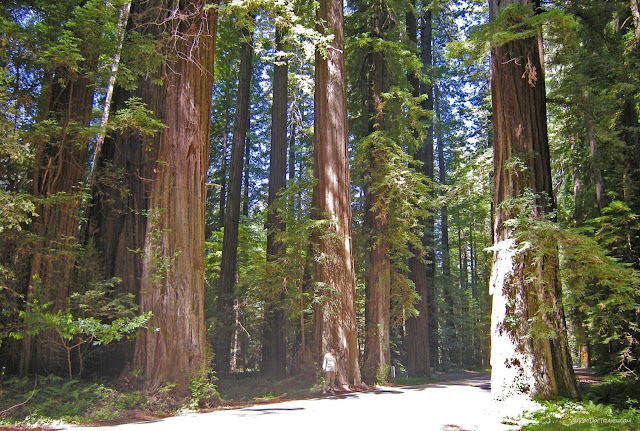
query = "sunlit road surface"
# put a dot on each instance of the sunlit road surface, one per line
(451, 406)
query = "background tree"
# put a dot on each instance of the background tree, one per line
(421, 334)
(61, 155)
(274, 352)
(232, 208)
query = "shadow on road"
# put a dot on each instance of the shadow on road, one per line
(475, 379)
(273, 410)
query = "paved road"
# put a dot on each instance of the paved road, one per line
(449, 406)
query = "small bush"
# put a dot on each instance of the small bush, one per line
(204, 393)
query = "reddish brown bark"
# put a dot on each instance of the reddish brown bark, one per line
(524, 290)
(116, 221)
(635, 11)
(598, 178)
(377, 354)
(173, 265)
(59, 168)
(334, 324)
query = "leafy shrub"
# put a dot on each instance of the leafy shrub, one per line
(204, 393)
(583, 416)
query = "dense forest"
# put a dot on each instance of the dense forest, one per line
(196, 188)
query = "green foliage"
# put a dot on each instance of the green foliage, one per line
(617, 229)
(578, 416)
(137, 118)
(600, 291)
(96, 316)
(404, 196)
(621, 391)
(204, 393)
(611, 404)
(16, 210)
(16, 207)
(515, 21)
(38, 402)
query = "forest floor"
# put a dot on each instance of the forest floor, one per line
(453, 401)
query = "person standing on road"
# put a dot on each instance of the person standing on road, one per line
(329, 366)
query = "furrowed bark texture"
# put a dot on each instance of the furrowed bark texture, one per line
(334, 323)
(529, 350)
(173, 350)
(59, 168)
(116, 221)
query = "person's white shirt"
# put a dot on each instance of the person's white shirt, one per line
(329, 363)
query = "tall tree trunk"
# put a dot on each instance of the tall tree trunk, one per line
(173, 263)
(377, 353)
(274, 349)
(334, 324)
(598, 178)
(418, 334)
(116, 222)
(59, 169)
(246, 175)
(635, 11)
(631, 138)
(447, 286)
(578, 212)
(223, 167)
(232, 212)
(529, 350)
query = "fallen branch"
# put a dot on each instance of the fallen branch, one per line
(35, 384)
(269, 400)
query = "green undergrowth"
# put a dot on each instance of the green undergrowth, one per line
(29, 402)
(612, 404)
(46, 399)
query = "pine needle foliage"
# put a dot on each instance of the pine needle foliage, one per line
(598, 287)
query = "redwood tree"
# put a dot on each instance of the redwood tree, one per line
(529, 350)
(274, 352)
(229, 262)
(67, 90)
(419, 335)
(173, 262)
(334, 318)
(377, 354)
